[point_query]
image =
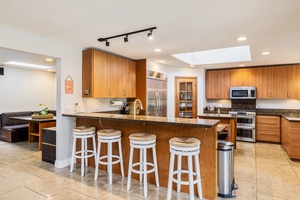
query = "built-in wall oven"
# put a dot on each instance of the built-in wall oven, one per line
(245, 126)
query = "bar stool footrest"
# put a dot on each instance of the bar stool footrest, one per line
(106, 162)
(185, 182)
(142, 172)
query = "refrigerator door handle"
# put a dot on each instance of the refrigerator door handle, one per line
(159, 106)
(156, 103)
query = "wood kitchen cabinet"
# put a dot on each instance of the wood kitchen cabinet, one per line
(271, 82)
(290, 137)
(186, 97)
(268, 128)
(107, 76)
(242, 77)
(217, 84)
(293, 74)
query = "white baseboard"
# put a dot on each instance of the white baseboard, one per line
(62, 163)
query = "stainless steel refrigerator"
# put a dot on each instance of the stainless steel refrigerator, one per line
(156, 94)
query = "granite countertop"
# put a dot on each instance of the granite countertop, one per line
(206, 123)
(213, 115)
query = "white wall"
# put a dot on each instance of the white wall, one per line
(23, 89)
(68, 63)
(175, 71)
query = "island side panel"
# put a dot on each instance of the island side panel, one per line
(163, 131)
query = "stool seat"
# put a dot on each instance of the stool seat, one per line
(184, 142)
(142, 136)
(84, 129)
(109, 132)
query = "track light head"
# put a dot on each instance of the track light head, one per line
(150, 36)
(126, 38)
(107, 43)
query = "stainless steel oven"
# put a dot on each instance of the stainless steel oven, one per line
(245, 126)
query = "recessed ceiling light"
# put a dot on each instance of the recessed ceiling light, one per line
(27, 65)
(265, 53)
(242, 38)
(157, 50)
(49, 59)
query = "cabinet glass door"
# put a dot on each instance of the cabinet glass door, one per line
(186, 104)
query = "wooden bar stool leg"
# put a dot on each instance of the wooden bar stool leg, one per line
(97, 160)
(191, 185)
(199, 184)
(179, 173)
(170, 176)
(141, 165)
(110, 162)
(145, 171)
(121, 158)
(129, 168)
(155, 166)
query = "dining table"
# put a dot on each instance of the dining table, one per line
(35, 127)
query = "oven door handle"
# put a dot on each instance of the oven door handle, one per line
(246, 127)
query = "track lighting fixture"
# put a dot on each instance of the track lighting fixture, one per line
(150, 36)
(125, 35)
(126, 38)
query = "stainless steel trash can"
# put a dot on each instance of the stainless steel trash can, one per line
(226, 182)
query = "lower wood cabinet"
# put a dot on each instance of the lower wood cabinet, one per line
(49, 145)
(268, 128)
(290, 137)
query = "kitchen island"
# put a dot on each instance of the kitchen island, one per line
(227, 119)
(164, 128)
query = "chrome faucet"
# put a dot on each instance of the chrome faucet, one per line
(134, 106)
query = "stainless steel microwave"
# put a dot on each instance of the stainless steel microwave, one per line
(246, 92)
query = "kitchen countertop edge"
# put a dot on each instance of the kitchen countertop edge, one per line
(204, 123)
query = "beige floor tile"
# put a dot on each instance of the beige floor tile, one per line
(68, 194)
(264, 197)
(277, 189)
(22, 193)
(19, 180)
(117, 195)
(50, 186)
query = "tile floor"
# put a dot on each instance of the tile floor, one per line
(262, 171)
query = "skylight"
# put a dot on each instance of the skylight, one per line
(224, 55)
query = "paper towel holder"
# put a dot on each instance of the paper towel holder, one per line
(116, 103)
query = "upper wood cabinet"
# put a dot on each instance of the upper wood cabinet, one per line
(293, 81)
(107, 76)
(278, 82)
(271, 82)
(242, 77)
(217, 84)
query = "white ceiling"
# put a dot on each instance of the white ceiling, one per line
(182, 26)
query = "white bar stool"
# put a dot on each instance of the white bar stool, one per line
(83, 133)
(142, 141)
(109, 136)
(184, 146)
